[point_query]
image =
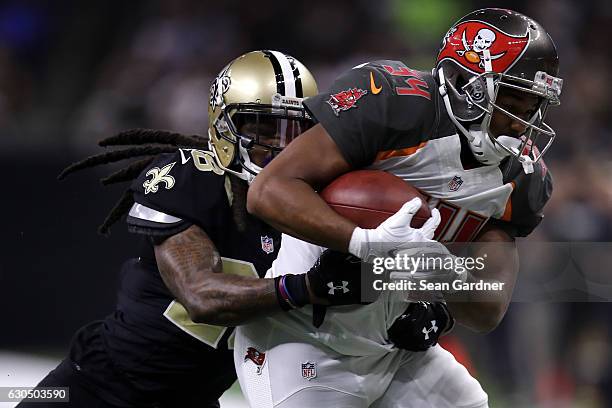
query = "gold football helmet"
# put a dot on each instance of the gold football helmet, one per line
(255, 110)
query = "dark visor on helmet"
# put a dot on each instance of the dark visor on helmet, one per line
(265, 130)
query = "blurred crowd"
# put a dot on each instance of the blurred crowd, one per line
(74, 72)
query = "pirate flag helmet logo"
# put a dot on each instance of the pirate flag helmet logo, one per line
(466, 42)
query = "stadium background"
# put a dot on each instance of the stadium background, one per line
(72, 72)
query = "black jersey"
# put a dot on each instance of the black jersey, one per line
(161, 356)
(384, 115)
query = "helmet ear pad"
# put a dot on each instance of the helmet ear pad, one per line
(464, 95)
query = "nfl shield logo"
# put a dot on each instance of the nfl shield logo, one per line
(455, 183)
(267, 244)
(309, 370)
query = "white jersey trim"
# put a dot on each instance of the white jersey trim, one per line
(148, 214)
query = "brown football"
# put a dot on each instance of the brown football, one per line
(368, 197)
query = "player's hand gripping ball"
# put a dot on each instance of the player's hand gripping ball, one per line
(389, 213)
(369, 197)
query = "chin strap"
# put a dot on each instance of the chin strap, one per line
(527, 163)
(485, 148)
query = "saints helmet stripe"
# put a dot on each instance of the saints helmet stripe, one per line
(299, 92)
(287, 72)
(278, 71)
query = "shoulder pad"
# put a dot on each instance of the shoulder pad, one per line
(186, 185)
(405, 81)
(377, 107)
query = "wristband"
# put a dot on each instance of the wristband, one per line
(291, 291)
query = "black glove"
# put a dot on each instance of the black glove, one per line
(421, 325)
(335, 278)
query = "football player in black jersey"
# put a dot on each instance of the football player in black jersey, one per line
(201, 254)
(470, 135)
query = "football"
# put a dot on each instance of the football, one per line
(369, 197)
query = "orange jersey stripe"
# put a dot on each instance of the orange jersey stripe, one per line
(399, 152)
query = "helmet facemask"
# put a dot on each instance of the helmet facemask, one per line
(259, 132)
(478, 98)
(537, 133)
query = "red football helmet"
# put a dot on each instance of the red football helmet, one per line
(487, 51)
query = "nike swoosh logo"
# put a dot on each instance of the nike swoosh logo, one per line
(375, 90)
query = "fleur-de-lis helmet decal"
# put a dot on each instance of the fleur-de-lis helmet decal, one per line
(219, 87)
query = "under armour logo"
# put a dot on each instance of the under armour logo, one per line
(426, 331)
(159, 176)
(332, 288)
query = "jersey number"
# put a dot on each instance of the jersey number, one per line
(204, 161)
(208, 333)
(457, 224)
(416, 86)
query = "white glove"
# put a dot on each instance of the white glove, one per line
(394, 232)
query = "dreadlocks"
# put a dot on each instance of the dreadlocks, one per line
(145, 142)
